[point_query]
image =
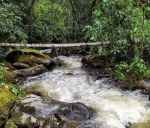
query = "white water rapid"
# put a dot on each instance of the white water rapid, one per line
(113, 108)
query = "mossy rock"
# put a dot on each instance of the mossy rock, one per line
(21, 65)
(10, 125)
(141, 125)
(7, 98)
(95, 61)
(9, 54)
(12, 56)
(28, 56)
(98, 61)
(7, 76)
(9, 66)
(33, 60)
(31, 71)
(33, 110)
(22, 120)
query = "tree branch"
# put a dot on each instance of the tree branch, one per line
(74, 11)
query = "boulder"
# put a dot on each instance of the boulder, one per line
(141, 125)
(7, 99)
(35, 111)
(142, 84)
(75, 112)
(7, 76)
(58, 62)
(21, 65)
(124, 85)
(28, 56)
(33, 60)
(35, 70)
(9, 66)
(95, 61)
(21, 119)
(36, 89)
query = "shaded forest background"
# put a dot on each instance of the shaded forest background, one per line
(125, 23)
(45, 21)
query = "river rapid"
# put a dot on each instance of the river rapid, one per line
(113, 107)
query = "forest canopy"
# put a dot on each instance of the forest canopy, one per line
(125, 23)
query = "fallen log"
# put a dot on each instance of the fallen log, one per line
(52, 45)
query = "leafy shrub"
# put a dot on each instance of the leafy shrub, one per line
(119, 68)
(118, 22)
(5, 82)
(97, 50)
(119, 51)
(10, 24)
(48, 22)
(137, 68)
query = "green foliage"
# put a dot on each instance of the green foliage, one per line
(44, 21)
(11, 125)
(118, 22)
(10, 24)
(97, 50)
(120, 51)
(119, 75)
(121, 67)
(128, 33)
(137, 68)
(14, 88)
(49, 20)
(2, 54)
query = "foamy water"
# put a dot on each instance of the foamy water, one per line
(113, 108)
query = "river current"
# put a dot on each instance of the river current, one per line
(113, 107)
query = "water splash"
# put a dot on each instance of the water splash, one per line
(113, 107)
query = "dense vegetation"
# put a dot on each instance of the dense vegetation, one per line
(125, 23)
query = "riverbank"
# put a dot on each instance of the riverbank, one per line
(69, 81)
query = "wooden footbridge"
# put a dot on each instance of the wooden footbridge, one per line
(52, 45)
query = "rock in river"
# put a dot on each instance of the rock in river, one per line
(34, 111)
(35, 70)
(28, 56)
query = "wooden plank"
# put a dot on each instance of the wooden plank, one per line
(53, 45)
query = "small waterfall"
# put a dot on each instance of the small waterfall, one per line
(113, 107)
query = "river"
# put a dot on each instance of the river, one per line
(113, 107)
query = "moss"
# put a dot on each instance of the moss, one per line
(7, 76)
(6, 96)
(35, 52)
(21, 65)
(6, 101)
(9, 66)
(28, 56)
(17, 53)
(141, 125)
(23, 120)
(10, 125)
(30, 59)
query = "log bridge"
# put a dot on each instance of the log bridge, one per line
(52, 45)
